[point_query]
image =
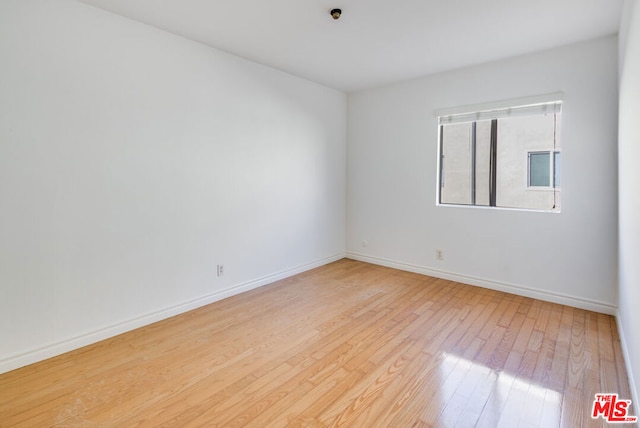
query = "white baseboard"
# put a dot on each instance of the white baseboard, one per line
(577, 302)
(52, 350)
(58, 348)
(627, 361)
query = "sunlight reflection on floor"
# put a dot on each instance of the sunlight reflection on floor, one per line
(506, 400)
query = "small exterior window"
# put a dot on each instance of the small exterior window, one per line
(544, 169)
(508, 158)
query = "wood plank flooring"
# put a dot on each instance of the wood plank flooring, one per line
(349, 344)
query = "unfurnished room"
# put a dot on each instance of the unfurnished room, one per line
(319, 213)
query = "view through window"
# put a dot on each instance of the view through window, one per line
(508, 158)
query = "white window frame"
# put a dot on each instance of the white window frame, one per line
(497, 109)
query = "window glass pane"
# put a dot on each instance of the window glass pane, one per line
(517, 138)
(539, 167)
(455, 187)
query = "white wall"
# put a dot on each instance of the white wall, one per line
(569, 257)
(132, 161)
(629, 190)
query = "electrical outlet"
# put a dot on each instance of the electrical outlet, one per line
(220, 270)
(439, 255)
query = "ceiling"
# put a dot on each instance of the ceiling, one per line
(375, 42)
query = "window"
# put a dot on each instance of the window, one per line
(544, 169)
(506, 157)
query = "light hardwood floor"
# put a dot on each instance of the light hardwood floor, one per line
(348, 344)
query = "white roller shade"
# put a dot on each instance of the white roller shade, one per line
(524, 110)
